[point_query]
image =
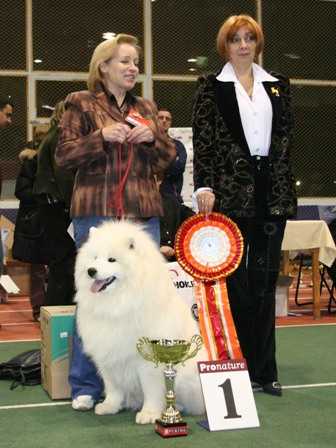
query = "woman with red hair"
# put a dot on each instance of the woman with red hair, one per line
(242, 135)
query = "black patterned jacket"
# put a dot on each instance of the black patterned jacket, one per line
(222, 158)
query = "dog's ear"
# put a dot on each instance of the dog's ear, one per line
(131, 244)
(92, 230)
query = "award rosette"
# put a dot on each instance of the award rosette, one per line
(210, 247)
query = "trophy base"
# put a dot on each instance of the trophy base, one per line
(171, 429)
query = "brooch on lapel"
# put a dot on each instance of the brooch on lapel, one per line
(275, 91)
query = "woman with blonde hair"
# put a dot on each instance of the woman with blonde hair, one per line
(44, 191)
(111, 140)
(242, 136)
(55, 184)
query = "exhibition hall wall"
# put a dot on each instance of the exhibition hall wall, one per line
(46, 45)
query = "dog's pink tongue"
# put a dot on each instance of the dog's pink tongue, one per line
(97, 285)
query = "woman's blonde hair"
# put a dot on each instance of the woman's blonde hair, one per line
(229, 29)
(105, 51)
(57, 113)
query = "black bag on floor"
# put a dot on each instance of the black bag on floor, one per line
(24, 369)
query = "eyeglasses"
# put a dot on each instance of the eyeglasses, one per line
(248, 39)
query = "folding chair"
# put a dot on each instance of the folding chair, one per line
(331, 272)
(301, 264)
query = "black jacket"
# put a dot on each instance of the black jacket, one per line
(52, 180)
(172, 181)
(40, 234)
(26, 178)
(174, 215)
(222, 158)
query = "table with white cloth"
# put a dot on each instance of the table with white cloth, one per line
(315, 237)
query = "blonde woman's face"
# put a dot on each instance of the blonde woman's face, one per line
(121, 71)
(242, 46)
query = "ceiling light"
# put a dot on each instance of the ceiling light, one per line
(292, 56)
(108, 35)
(192, 60)
(38, 61)
(202, 61)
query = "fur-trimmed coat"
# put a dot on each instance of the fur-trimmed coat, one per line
(222, 158)
(40, 235)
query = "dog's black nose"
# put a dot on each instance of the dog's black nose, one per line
(92, 272)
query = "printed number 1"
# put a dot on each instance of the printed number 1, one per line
(229, 399)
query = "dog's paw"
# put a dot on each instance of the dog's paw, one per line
(107, 407)
(147, 416)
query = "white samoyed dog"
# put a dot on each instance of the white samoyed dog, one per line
(124, 292)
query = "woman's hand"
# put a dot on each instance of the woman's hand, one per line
(116, 133)
(205, 201)
(140, 134)
(167, 251)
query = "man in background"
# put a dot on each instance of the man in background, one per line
(6, 113)
(174, 211)
(172, 181)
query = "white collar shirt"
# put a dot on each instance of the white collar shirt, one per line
(256, 113)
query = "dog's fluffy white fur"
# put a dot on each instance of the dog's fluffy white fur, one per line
(124, 292)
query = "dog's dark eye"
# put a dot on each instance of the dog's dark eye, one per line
(111, 260)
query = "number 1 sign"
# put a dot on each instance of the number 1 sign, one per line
(228, 395)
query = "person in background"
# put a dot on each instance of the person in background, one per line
(40, 130)
(6, 115)
(6, 111)
(242, 137)
(28, 203)
(43, 186)
(174, 214)
(172, 181)
(111, 140)
(53, 188)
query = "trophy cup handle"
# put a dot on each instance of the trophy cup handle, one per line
(197, 340)
(144, 348)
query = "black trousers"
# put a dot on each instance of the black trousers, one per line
(251, 291)
(60, 287)
(37, 288)
(252, 286)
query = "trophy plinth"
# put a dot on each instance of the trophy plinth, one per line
(169, 352)
(171, 429)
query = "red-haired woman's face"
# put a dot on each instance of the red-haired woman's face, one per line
(242, 46)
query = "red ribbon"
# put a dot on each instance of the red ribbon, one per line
(216, 321)
(122, 179)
